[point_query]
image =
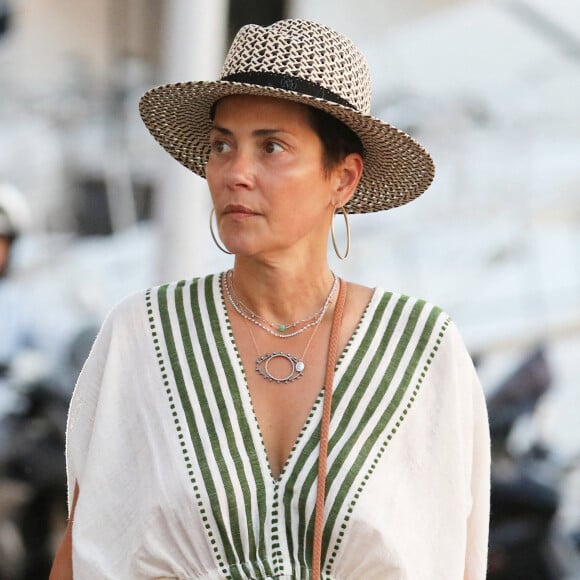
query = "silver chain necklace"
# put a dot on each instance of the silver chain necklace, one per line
(274, 328)
(296, 364)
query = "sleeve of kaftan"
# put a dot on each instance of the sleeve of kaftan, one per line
(479, 476)
(83, 405)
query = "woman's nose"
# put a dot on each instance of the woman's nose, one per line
(240, 171)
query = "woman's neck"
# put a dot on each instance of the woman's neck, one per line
(281, 293)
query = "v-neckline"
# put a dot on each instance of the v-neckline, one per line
(247, 403)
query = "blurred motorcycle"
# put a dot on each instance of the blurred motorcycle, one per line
(525, 542)
(32, 458)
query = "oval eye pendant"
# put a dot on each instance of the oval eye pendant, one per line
(294, 364)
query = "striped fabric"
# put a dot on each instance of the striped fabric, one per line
(259, 526)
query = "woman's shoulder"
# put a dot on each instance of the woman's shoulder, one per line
(139, 302)
(372, 296)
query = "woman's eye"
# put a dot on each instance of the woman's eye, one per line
(272, 147)
(219, 147)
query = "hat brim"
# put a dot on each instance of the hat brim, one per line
(397, 169)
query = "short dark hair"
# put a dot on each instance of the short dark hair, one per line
(337, 139)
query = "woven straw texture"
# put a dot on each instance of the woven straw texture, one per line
(396, 168)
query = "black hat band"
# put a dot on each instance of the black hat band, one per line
(287, 83)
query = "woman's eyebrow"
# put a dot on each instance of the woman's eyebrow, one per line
(221, 130)
(265, 132)
(257, 133)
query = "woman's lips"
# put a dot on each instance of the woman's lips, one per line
(238, 211)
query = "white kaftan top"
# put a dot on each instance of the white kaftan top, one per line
(175, 481)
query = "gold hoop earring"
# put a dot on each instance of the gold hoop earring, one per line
(345, 215)
(215, 240)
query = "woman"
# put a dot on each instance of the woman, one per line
(197, 443)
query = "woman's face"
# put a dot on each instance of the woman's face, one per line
(267, 179)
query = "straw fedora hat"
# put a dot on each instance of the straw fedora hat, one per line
(308, 63)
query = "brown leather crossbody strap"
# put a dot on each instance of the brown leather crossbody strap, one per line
(324, 428)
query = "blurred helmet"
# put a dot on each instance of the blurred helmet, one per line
(14, 211)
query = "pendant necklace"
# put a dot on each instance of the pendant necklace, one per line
(296, 364)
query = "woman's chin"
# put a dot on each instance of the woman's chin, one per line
(242, 244)
(247, 250)
(239, 248)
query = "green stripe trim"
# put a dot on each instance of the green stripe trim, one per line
(384, 420)
(379, 392)
(385, 383)
(251, 453)
(426, 337)
(235, 449)
(188, 412)
(248, 452)
(215, 454)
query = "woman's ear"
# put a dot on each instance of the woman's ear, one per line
(347, 176)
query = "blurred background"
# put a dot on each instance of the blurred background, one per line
(91, 209)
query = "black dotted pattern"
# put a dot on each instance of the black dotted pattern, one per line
(276, 551)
